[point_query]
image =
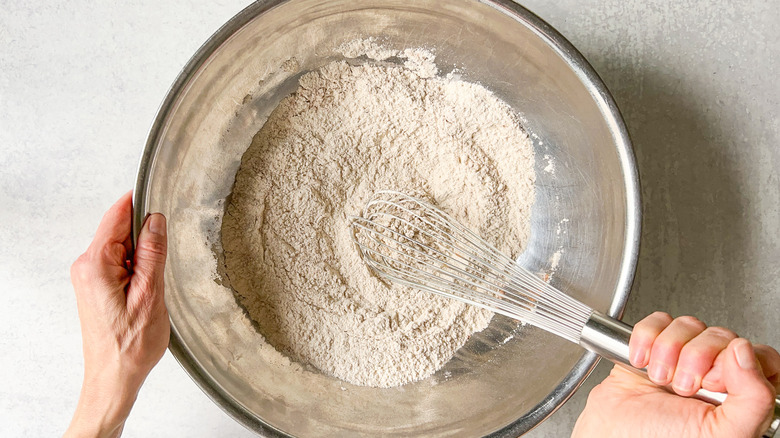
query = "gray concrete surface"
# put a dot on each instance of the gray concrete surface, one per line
(80, 83)
(696, 82)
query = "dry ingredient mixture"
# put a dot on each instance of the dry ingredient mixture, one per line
(347, 131)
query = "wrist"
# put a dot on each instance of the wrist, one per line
(104, 404)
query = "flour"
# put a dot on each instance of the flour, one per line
(550, 167)
(368, 47)
(346, 132)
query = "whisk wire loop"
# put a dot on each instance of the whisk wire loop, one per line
(441, 270)
(411, 242)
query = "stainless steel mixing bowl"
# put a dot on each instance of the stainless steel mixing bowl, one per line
(506, 379)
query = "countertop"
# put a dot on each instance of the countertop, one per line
(80, 83)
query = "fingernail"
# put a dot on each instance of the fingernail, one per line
(640, 357)
(659, 373)
(746, 358)
(637, 356)
(157, 224)
(683, 382)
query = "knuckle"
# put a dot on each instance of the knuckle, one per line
(691, 321)
(765, 394)
(641, 325)
(653, 320)
(76, 268)
(661, 316)
(81, 270)
(721, 333)
(152, 248)
(768, 351)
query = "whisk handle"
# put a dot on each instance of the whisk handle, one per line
(609, 337)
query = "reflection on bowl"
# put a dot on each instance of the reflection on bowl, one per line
(585, 219)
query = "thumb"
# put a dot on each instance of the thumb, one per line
(149, 264)
(750, 401)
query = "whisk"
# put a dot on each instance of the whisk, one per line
(411, 242)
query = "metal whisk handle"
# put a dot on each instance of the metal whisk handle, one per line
(609, 337)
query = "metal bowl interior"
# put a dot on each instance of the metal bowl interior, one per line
(507, 378)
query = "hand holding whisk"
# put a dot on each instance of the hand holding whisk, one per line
(408, 241)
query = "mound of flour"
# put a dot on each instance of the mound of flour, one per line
(346, 132)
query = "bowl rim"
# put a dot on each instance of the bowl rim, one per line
(584, 71)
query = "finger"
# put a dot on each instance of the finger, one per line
(643, 336)
(98, 279)
(698, 357)
(667, 346)
(113, 232)
(769, 359)
(147, 283)
(102, 267)
(750, 402)
(713, 380)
